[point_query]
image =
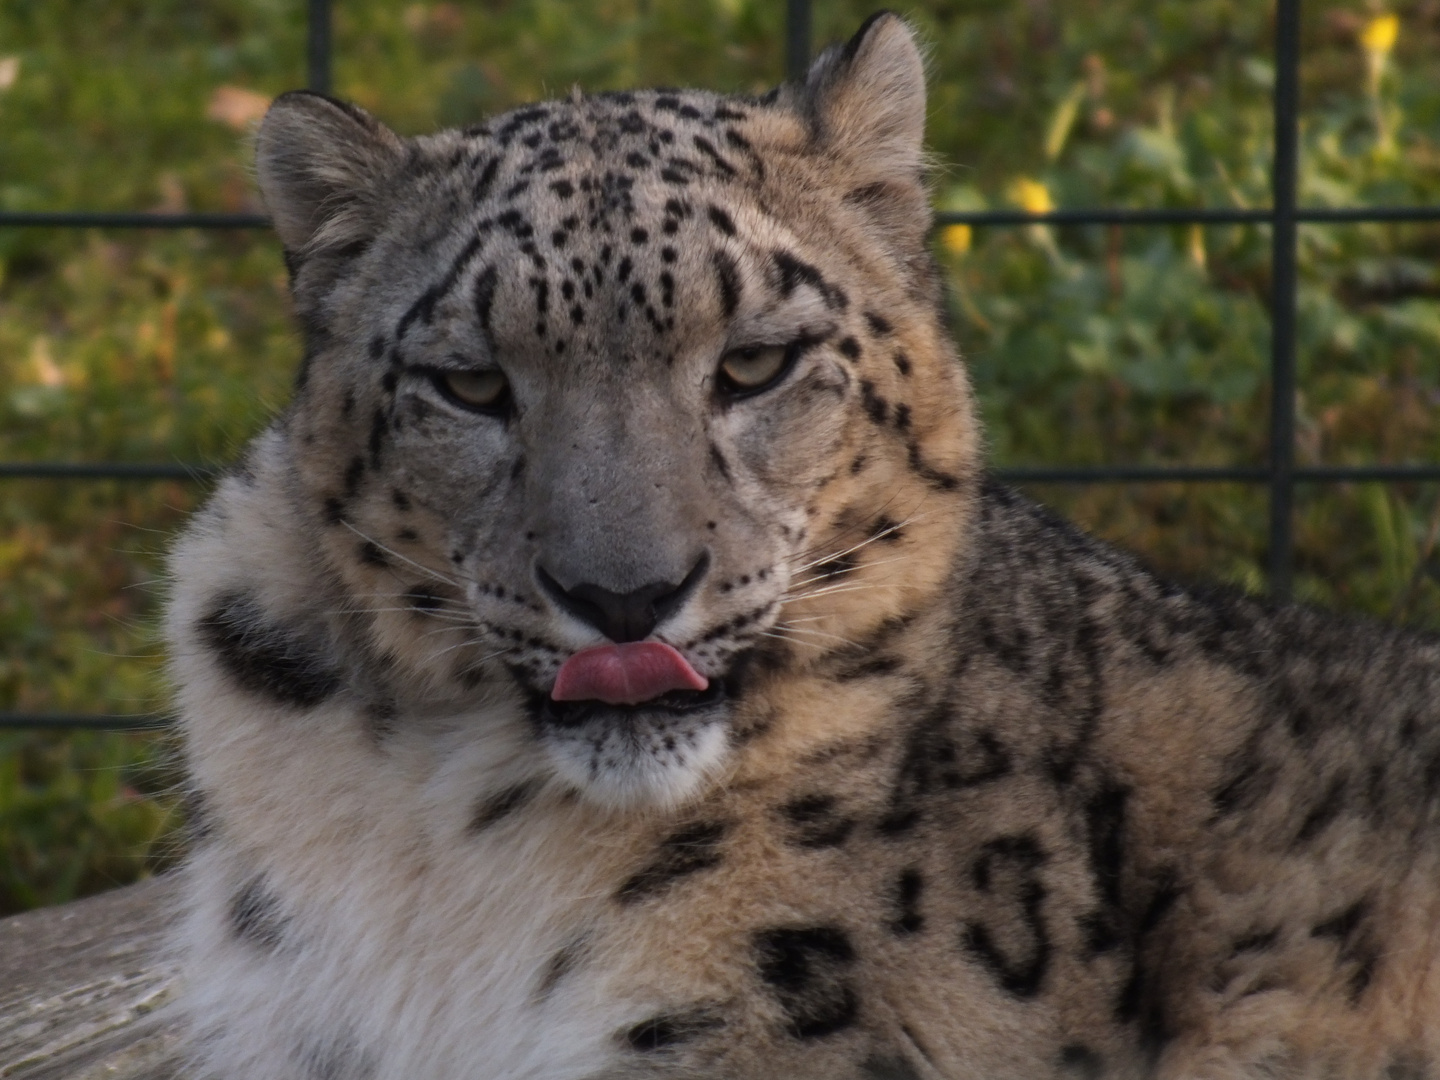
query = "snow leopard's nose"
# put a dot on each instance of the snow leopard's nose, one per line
(622, 617)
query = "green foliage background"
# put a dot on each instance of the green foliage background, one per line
(1089, 345)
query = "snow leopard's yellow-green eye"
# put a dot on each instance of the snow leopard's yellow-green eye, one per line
(486, 390)
(746, 370)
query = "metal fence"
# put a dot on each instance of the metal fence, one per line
(1284, 217)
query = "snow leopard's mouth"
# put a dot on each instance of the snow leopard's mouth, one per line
(632, 673)
(654, 753)
(675, 703)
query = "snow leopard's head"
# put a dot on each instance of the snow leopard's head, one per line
(632, 401)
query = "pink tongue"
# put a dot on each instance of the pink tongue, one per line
(625, 674)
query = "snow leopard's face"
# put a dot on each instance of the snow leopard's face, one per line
(656, 367)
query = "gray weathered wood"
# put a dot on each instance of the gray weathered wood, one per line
(80, 985)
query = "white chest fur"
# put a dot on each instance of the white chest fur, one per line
(387, 937)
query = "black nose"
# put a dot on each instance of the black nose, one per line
(623, 616)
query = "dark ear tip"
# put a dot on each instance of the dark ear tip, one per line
(313, 101)
(853, 45)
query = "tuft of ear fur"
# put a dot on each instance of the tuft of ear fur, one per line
(865, 102)
(867, 97)
(319, 163)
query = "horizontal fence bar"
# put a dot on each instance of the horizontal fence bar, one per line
(1092, 474)
(81, 219)
(1198, 216)
(85, 219)
(1020, 474)
(10, 721)
(1237, 474)
(1367, 473)
(1359, 214)
(65, 470)
(1104, 216)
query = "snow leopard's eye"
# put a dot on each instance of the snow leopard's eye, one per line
(481, 391)
(746, 371)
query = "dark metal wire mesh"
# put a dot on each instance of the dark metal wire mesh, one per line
(1280, 475)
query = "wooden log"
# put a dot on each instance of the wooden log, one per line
(80, 986)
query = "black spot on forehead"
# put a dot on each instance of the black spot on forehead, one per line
(794, 271)
(721, 165)
(727, 276)
(423, 309)
(721, 220)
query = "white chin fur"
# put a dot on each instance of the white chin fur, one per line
(618, 767)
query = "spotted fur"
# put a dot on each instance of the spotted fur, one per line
(969, 794)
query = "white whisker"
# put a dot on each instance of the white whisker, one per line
(881, 535)
(804, 552)
(833, 590)
(821, 634)
(849, 570)
(418, 566)
(457, 614)
(467, 643)
(792, 640)
(450, 629)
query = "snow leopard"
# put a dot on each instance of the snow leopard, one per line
(617, 661)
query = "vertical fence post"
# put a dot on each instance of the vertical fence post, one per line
(1283, 286)
(797, 38)
(317, 46)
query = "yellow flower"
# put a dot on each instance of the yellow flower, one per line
(1196, 245)
(1032, 195)
(956, 238)
(1380, 33)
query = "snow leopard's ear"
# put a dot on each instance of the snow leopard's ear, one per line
(865, 102)
(320, 163)
(866, 98)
